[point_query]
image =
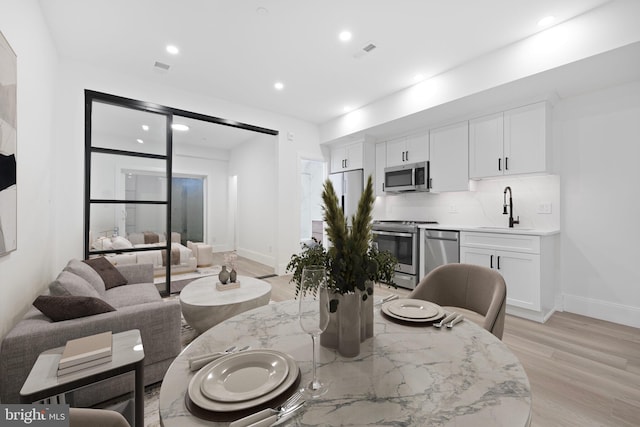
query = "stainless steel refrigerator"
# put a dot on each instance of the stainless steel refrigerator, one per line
(348, 187)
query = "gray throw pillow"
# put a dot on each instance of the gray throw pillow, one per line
(109, 273)
(68, 283)
(83, 270)
(58, 308)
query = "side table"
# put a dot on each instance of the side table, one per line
(127, 355)
(203, 306)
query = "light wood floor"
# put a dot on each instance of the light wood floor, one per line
(583, 372)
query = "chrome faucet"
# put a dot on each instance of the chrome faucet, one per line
(504, 208)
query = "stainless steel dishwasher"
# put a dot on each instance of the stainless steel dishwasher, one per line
(440, 247)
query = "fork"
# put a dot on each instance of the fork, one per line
(288, 406)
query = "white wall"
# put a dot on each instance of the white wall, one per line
(598, 147)
(254, 165)
(25, 272)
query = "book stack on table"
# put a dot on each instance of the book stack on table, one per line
(85, 352)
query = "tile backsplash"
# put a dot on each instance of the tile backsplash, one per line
(536, 199)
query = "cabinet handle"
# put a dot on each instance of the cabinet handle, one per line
(383, 186)
(430, 183)
(499, 164)
(491, 262)
(403, 156)
(506, 163)
(498, 262)
(407, 156)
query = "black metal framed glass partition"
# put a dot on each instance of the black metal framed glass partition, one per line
(130, 187)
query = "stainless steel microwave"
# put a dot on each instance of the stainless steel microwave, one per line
(411, 177)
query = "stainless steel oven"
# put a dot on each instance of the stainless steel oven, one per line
(401, 239)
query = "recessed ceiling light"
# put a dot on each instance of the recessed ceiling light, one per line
(546, 21)
(140, 141)
(278, 85)
(263, 11)
(179, 127)
(172, 49)
(345, 36)
(145, 128)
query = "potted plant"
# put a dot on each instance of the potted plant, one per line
(353, 264)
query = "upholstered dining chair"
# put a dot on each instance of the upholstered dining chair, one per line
(83, 417)
(479, 293)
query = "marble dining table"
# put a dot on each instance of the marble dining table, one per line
(405, 375)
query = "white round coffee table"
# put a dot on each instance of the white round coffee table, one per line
(203, 306)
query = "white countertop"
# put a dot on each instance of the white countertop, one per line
(490, 229)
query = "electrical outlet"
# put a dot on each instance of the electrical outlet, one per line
(544, 208)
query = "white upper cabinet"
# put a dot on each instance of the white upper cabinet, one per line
(509, 143)
(409, 149)
(525, 139)
(449, 158)
(486, 143)
(347, 157)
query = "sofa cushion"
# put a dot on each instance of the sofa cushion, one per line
(85, 271)
(58, 308)
(139, 293)
(109, 273)
(68, 283)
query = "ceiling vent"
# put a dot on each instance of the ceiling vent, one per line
(161, 66)
(367, 48)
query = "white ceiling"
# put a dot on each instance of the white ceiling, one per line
(231, 51)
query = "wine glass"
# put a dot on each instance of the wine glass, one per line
(314, 317)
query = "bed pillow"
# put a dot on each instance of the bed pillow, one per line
(85, 271)
(109, 273)
(67, 284)
(58, 308)
(120, 242)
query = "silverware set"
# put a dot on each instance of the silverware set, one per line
(388, 298)
(269, 416)
(449, 320)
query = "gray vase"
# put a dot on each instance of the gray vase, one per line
(366, 316)
(223, 276)
(349, 324)
(329, 337)
(233, 275)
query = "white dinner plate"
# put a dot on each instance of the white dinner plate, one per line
(244, 376)
(412, 310)
(195, 392)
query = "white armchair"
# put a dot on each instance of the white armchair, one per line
(202, 252)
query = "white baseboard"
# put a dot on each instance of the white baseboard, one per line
(257, 256)
(604, 310)
(529, 314)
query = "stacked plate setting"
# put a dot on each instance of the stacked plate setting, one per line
(243, 380)
(413, 310)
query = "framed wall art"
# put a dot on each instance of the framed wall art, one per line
(8, 142)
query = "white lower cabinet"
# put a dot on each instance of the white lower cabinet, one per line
(527, 264)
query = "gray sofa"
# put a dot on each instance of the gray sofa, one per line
(138, 306)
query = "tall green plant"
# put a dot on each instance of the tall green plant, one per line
(351, 261)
